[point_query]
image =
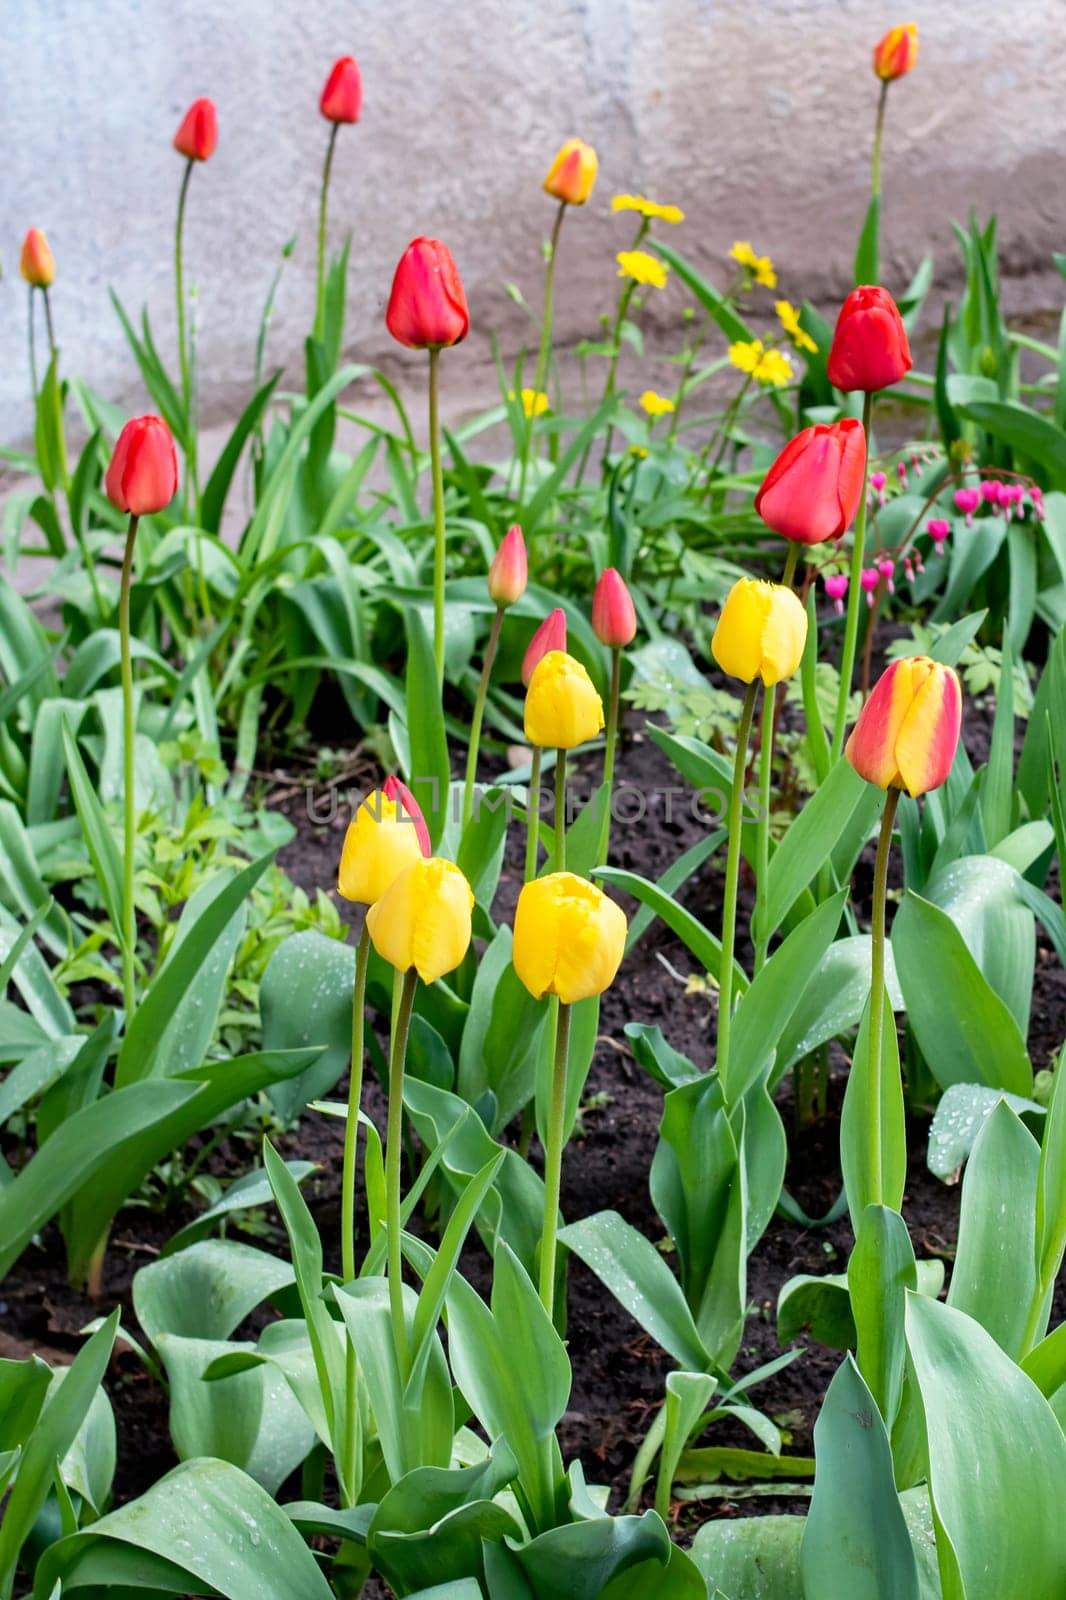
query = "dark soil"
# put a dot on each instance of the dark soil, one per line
(618, 1373)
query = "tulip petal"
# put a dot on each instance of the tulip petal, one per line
(929, 734)
(784, 636)
(737, 641)
(871, 748)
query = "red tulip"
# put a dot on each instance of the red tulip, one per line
(897, 52)
(551, 635)
(37, 263)
(198, 135)
(509, 571)
(143, 475)
(812, 491)
(342, 97)
(870, 349)
(396, 790)
(614, 619)
(427, 307)
(908, 730)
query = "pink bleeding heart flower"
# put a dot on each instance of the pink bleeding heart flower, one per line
(870, 579)
(887, 568)
(836, 587)
(938, 529)
(967, 501)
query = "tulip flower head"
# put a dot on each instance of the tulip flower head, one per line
(423, 919)
(427, 307)
(569, 938)
(562, 706)
(37, 263)
(198, 135)
(812, 491)
(896, 53)
(870, 349)
(509, 572)
(614, 618)
(143, 474)
(386, 835)
(342, 96)
(760, 633)
(572, 173)
(836, 587)
(908, 731)
(551, 635)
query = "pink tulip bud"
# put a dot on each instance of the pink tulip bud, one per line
(938, 529)
(509, 572)
(836, 587)
(614, 620)
(551, 635)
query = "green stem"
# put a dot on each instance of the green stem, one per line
(179, 288)
(610, 751)
(728, 419)
(320, 293)
(540, 376)
(766, 767)
(33, 348)
(48, 323)
(355, 1094)
(879, 128)
(393, 1151)
(533, 817)
(732, 879)
(560, 811)
(129, 927)
(479, 715)
(553, 1160)
(686, 372)
(438, 514)
(877, 997)
(851, 621)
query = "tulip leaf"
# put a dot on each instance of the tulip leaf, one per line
(428, 773)
(103, 851)
(959, 1118)
(812, 837)
(881, 1269)
(867, 250)
(697, 939)
(305, 999)
(873, 1138)
(979, 1407)
(751, 1556)
(718, 306)
(856, 1541)
(833, 1000)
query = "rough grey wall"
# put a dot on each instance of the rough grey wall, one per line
(755, 115)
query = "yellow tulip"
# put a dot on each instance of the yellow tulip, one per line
(562, 706)
(761, 632)
(572, 173)
(384, 837)
(568, 938)
(423, 919)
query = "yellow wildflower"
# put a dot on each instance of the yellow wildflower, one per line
(746, 354)
(642, 268)
(534, 401)
(656, 405)
(638, 450)
(773, 368)
(647, 208)
(760, 267)
(790, 322)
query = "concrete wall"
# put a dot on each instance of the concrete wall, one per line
(754, 115)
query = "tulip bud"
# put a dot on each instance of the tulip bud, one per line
(572, 173)
(423, 919)
(198, 135)
(143, 475)
(908, 730)
(870, 349)
(761, 632)
(551, 635)
(897, 52)
(562, 706)
(342, 97)
(37, 264)
(427, 306)
(812, 491)
(614, 619)
(569, 938)
(386, 835)
(509, 571)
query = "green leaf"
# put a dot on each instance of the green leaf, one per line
(103, 851)
(305, 998)
(959, 1118)
(882, 1268)
(979, 1407)
(833, 1001)
(250, 1191)
(751, 1558)
(732, 325)
(429, 1526)
(636, 1274)
(581, 1558)
(811, 839)
(207, 1290)
(697, 939)
(873, 1100)
(687, 1394)
(856, 1541)
(866, 255)
(428, 773)
(217, 486)
(1035, 438)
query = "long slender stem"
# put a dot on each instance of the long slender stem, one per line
(33, 346)
(533, 816)
(479, 715)
(323, 202)
(877, 996)
(766, 767)
(438, 515)
(879, 129)
(129, 841)
(732, 878)
(560, 811)
(851, 621)
(610, 751)
(355, 1094)
(553, 1160)
(48, 323)
(393, 1152)
(540, 376)
(179, 287)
